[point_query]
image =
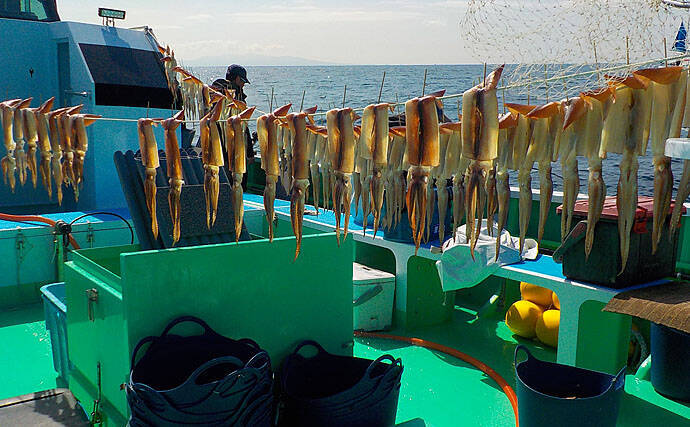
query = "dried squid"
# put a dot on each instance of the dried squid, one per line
(341, 145)
(9, 162)
(56, 150)
(422, 134)
(479, 145)
(626, 128)
(506, 137)
(591, 134)
(267, 131)
(44, 147)
(297, 123)
(569, 147)
(149, 158)
(549, 119)
(668, 86)
(212, 159)
(523, 161)
(174, 166)
(375, 138)
(237, 162)
(450, 153)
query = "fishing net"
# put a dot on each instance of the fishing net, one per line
(563, 47)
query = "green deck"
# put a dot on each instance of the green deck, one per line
(437, 390)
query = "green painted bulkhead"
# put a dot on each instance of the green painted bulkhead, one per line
(251, 289)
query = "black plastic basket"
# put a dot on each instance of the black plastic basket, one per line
(333, 390)
(203, 379)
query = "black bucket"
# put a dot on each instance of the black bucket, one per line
(339, 390)
(203, 379)
(551, 393)
(670, 362)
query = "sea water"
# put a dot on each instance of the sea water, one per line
(359, 85)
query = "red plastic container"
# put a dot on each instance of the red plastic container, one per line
(604, 263)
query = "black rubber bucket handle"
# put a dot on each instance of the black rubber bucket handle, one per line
(517, 351)
(394, 362)
(192, 319)
(309, 343)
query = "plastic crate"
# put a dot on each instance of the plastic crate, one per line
(604, 264)
(54, 305)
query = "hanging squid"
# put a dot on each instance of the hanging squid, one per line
(81, 143)
(18, 136)
(237, 162)
(297, 123)
(684, 185)
(626, 128)
(31, 138)
(507, 125)
(341, 145)
(9, 162)
(449, 156)
(56, 150)
(149, 158)
(668, 86)
(44, 147)
(212, 159)
(422, 134)
(479, 145)
(375, 139)
(547, 133)
(174, 165)
(569, 147)
(523, 163)
(267, 130)
(395, 189)
(591, 134)
(66, 131)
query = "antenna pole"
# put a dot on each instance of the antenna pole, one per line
(304, 92)
(344, 93)
(424, 84)
(381, 90)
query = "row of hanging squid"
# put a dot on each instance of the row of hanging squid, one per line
(373, 161)
(59, 137)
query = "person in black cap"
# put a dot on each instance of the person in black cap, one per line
(235, 79)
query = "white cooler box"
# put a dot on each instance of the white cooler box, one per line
(373, 292)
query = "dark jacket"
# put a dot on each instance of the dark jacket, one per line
(220, 84)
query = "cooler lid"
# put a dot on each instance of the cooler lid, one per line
(363, 275)
(645, 208)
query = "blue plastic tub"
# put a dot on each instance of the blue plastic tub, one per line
(402, 232)
(54, 301)
(551, 393)
(670, 362)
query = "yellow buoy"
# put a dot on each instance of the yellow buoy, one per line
(547, 327)
(556, 302)
(521, 318)
(536, 294)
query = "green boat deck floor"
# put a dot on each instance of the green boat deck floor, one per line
(26, 358)
(437, 390)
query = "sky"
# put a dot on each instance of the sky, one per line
(353, 32)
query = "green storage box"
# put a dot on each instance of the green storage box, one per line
(253, 289)
(604, 263)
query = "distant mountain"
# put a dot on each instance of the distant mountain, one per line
(254, 59)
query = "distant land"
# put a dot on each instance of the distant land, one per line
(254, 59)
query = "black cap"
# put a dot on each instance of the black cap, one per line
(236, 70)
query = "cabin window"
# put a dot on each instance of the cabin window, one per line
(29, 10)
(127, 77)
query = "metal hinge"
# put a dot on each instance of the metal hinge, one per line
(92, 297)
(96, 415)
